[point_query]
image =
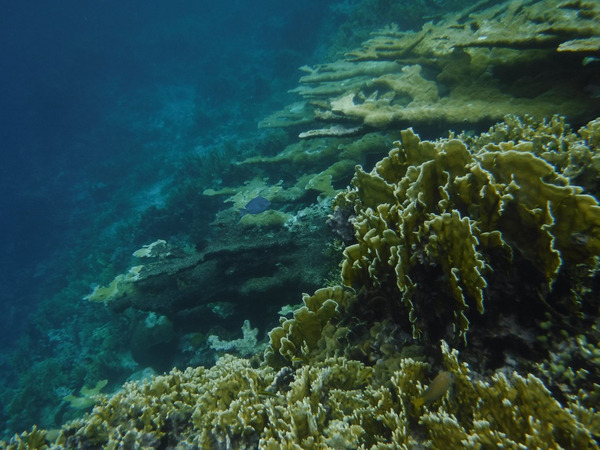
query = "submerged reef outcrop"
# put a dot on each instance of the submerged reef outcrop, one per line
(188, 284)
(475, 66)
(481, 240)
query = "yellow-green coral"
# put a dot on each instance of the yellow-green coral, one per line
(461, 209)
(297, 339)
(337, 403)
(324, 162)
(506, 411)
(268, 219)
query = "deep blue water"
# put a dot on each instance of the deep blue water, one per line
(87, 88)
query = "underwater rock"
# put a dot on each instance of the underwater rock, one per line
(269, 255)
(166, 264)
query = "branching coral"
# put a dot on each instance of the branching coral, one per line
(337, 403)
(506, 411)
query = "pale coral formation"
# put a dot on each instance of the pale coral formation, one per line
(157, 249)
(247, 345)
(471, 67)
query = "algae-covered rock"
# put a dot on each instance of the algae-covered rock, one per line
(88, 396)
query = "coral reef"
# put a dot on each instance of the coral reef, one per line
(480, 236)
(300, 338)
(316, 166)
(507, 410)
(249, 258)
(425, 213)
(488, 241)
(573, 367)
(337, 403)
(472, 67)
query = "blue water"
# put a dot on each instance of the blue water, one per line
(88, 87)
(102, 102)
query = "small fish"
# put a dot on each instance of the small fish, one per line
(579, 239)
(267, 394)
(255, 206)
(436, 389)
